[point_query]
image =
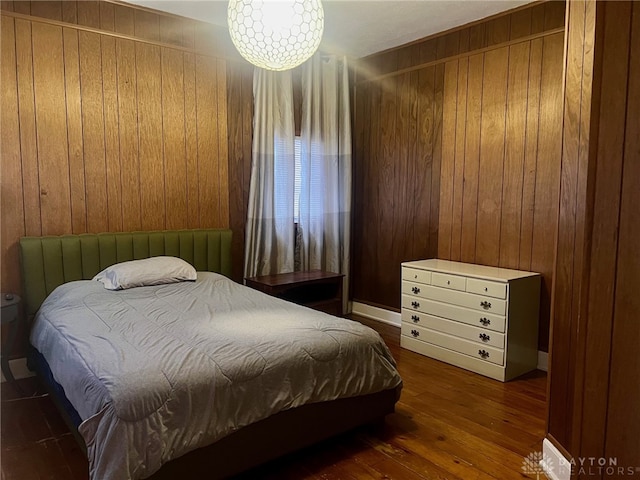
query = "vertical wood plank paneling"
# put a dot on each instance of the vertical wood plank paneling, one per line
(413, 152)
(372, 221)
(89, 13)
(521, 23)
(580, 219)
(28, 140)
(239, 77)
(124, 20)
(479, 151)
(88, 159)
(207, 140)
(621, 439)
(128, 134)
(512, 179)
(247, 131)
(386, 168)
(11, 226)
(438, 129)
(472, 158)
(547, 172)
(497, 30)
(460, 158)
(173, 118)
(424, 162)
(537, 18)
(53, 161)
(451, 44)
(554, 14)
(531, 155)
(146, 25)
(494, 99)
(476, 36)
(569, 263)
(74, 131)
(107, 16)
(150, 134)
(223, 147)
(47, 9)
(6, 5)
(22, 7)
(593, 390)
(606, 223)
(70, 12)
(191, 141)
(449, 106)
(400, 221)
(171, 30)
(93, 131)
(111, 131)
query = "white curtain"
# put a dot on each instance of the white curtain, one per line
(325, 193)
(270, 225)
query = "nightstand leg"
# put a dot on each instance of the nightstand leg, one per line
(4, 360)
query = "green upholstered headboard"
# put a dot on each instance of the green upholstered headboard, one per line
(48, 262)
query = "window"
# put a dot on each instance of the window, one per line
(298, 180)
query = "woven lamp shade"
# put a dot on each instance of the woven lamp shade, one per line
(276, 34)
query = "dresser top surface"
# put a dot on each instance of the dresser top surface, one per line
(469, 270)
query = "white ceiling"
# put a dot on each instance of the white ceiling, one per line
(361, 27)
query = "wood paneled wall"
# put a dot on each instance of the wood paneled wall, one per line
(141, 23)
(500, 172)
(112, 120)
(457, 152)
(593, 383)
(240, 128)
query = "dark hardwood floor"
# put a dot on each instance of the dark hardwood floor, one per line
(449, 424)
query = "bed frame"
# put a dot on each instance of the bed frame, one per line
(48, 262)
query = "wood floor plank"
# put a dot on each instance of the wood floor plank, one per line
(449, 424)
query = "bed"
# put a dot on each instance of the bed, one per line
(248, 378)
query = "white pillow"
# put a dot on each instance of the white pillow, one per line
(150, 271)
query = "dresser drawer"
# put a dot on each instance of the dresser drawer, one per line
(463, 299)
(486, 287)
(457, 329)
(459, 359)
(483, 352)
(466, 315)
(454, 282)
(412, 288)
(415, 275)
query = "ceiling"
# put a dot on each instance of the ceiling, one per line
(360, 27)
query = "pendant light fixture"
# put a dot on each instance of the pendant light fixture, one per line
(276, 34)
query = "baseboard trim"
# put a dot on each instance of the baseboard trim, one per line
(376, 313)
(543, 361)
(19, 369)
(394, 318)
(554, 464)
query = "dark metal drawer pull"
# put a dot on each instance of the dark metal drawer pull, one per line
(483, 353)
(485, 321)
(485, 305)
(415, 318)
(415, 304)
(415, 290)
(415, 333)
(484, 337)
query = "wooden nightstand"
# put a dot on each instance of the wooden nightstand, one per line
(315, 289)
(9, 315)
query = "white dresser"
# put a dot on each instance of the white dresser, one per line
(483, 319)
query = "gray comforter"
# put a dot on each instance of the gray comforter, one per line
(156, 372)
